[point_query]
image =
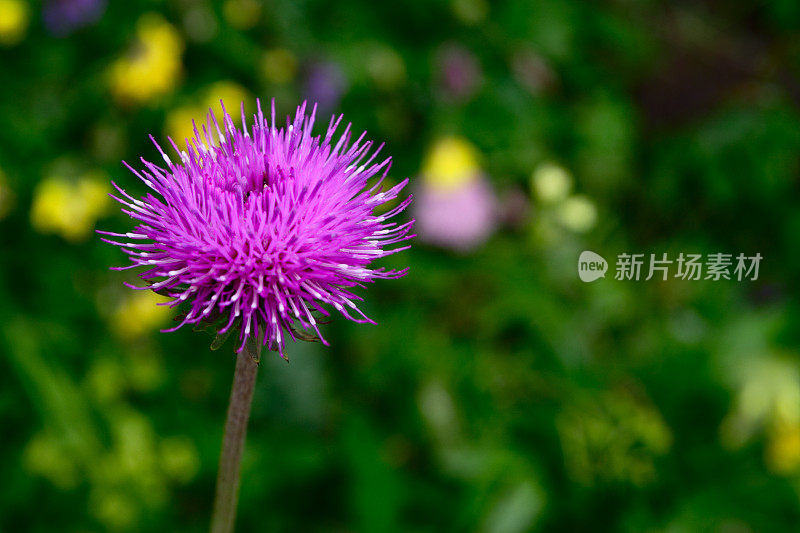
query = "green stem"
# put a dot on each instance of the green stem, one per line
(244, 380)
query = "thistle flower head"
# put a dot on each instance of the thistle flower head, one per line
(259, 229)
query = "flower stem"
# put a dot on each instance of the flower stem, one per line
(244, 380)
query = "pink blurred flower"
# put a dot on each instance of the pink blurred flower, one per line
(460, 218)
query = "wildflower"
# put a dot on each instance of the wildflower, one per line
(451, 162)
(459, 74)
(782, 453)
(14, 16)
(551, 183)
(178, 123)
(62, 17)
(179, 120)
(69, 209)
(265, 227)
(470, 12)
(325, 83)
(386, 67)
(577, 213)
(242, 14)
(153, 66)
(199, 22)
(139, 314)
(460, 219)
(767, 397)
(279, 65)
(456, 206)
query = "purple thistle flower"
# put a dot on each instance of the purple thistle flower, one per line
(264, 226)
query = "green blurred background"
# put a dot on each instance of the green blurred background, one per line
(498, 393)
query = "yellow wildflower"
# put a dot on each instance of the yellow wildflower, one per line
(140, 314)
(179, 125)
(782, 453)
(153, 67)
(230, 92)
(68, 209)
(451, 163)
(179, 120)
(14, 16)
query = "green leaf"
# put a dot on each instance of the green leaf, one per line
(220, 339)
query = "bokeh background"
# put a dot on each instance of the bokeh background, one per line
(498, 393)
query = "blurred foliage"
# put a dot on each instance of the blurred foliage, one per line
(498, 393)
